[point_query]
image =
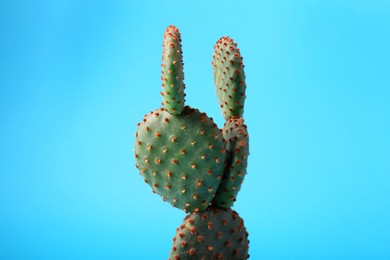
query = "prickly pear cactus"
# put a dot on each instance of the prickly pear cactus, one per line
(179, 151)
(191, 163)
(237, 139)
(229, 77)
(211, 234)
(172, 72)
(182, 157)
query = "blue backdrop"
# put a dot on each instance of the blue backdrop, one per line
(76, 77)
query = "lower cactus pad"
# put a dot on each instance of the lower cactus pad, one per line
(211, 234)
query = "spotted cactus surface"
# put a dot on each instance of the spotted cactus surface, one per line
(211, 234)
(237, 144)
(172, 75)
(192, 164)
(229, 77)
(182, 157)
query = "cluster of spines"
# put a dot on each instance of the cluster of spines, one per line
(172, 74)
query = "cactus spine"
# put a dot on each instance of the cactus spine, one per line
(192, 164)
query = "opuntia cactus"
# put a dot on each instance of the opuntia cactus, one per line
(182, 157)
(237, 144)
(172, 72)
(211, 234)
(190, 162)
(229, 77)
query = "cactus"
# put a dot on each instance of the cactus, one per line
(179, 150)
(192, 164)
(212, 234)
(172, 72)
(229, 77)
(236, 135)
(181, 157)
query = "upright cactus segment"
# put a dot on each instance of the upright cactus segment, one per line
(211, 234)
(229, 77)
(236, 135)
(182, 157)
(172, 72)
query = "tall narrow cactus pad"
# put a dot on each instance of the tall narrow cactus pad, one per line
(182, 157)
(236, 135)
(229, 77)
(211, 234)
(172, 72)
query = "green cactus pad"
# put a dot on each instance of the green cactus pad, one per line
(172, 72)
(229, 77)
(211, 234)
(236, 135)
(182, 157)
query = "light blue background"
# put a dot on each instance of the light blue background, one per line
(76, 76)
